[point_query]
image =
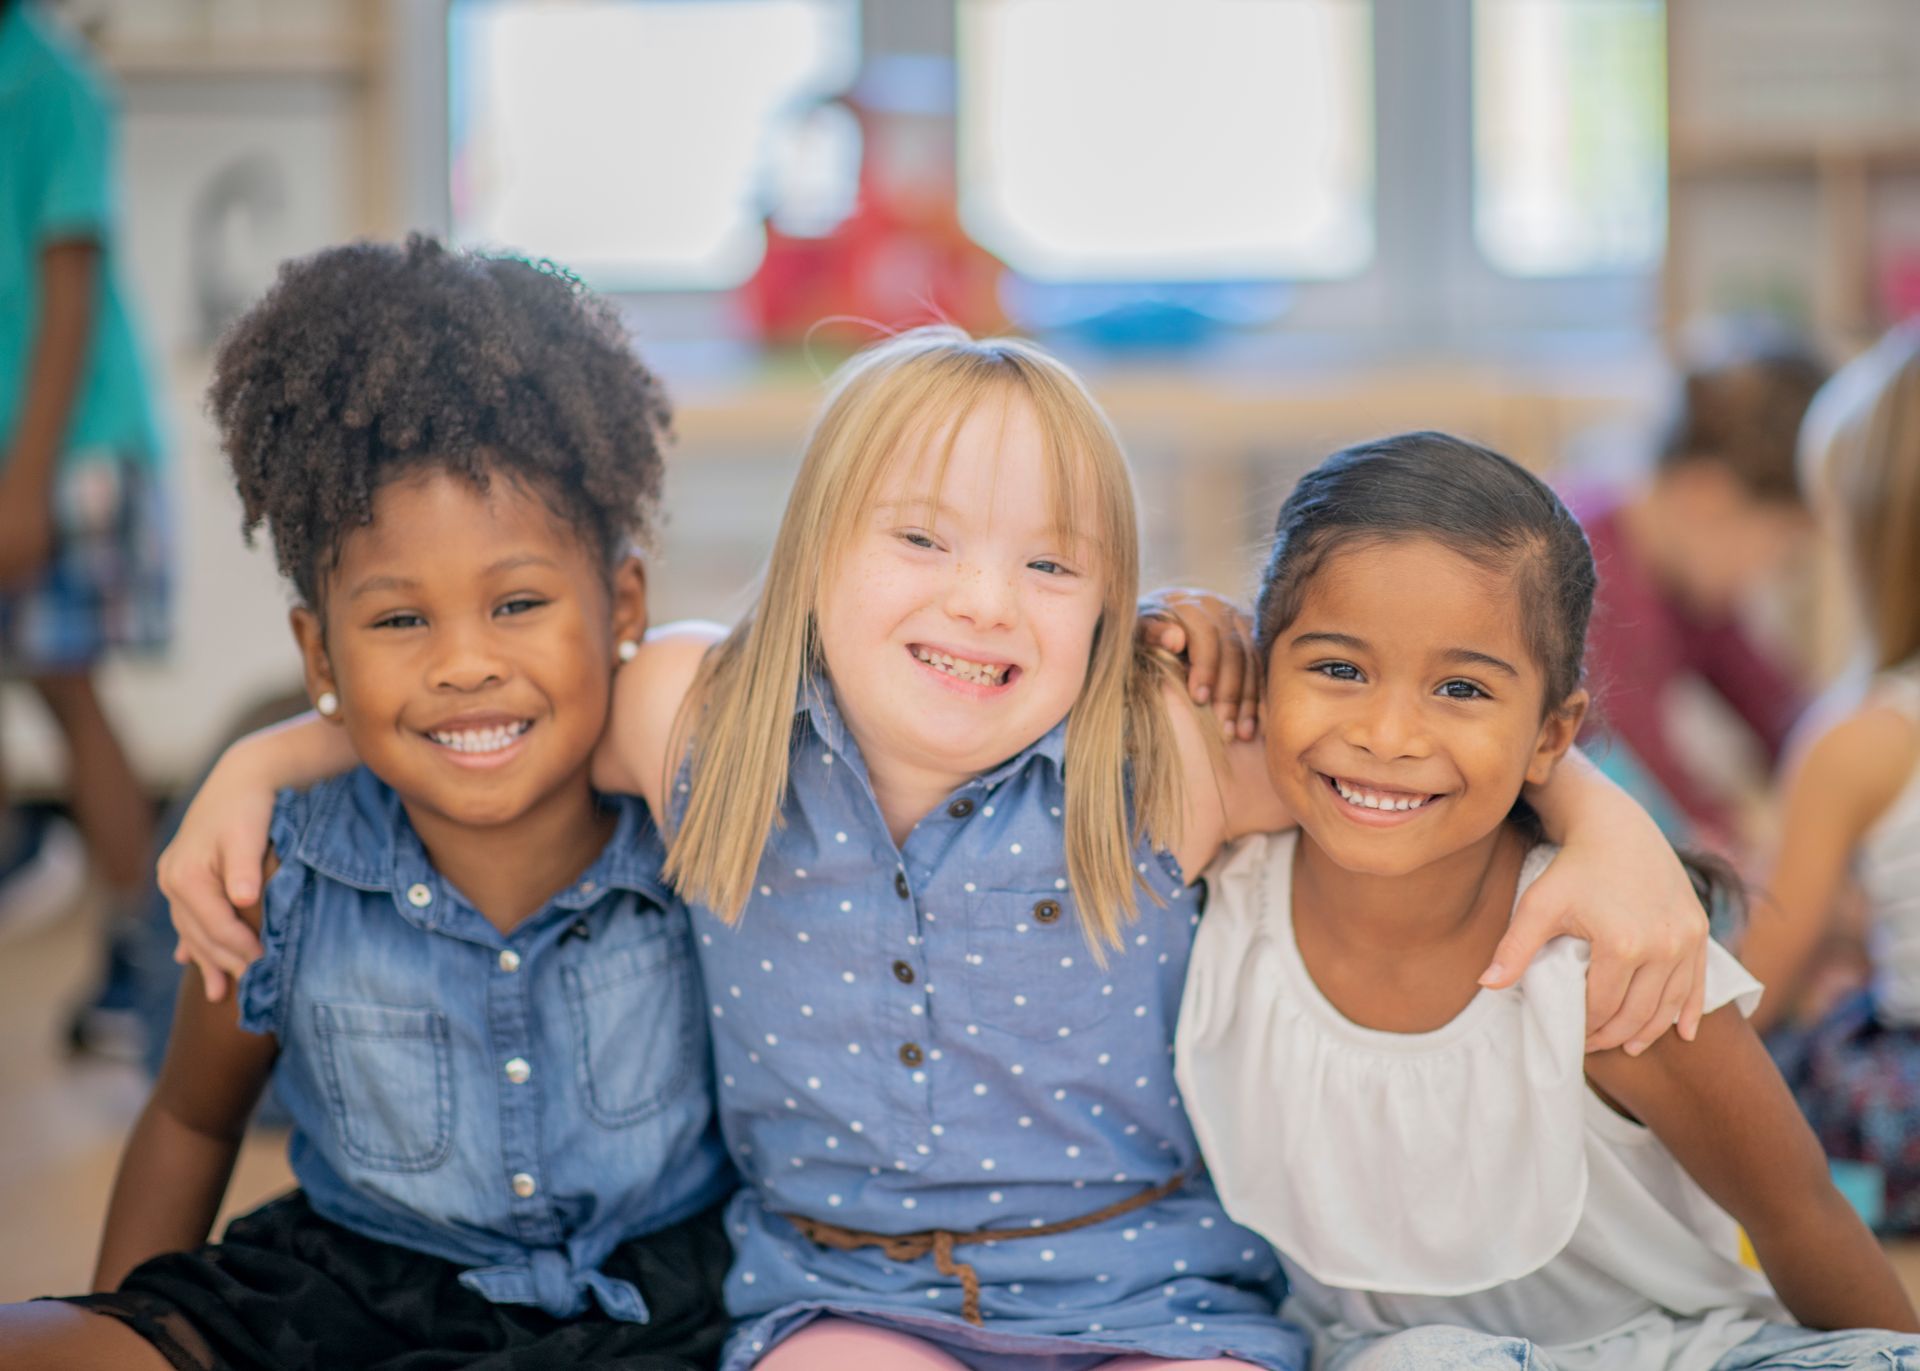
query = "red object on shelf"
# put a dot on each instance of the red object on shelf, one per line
(900, 258)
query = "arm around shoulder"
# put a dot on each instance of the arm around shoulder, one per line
(1224, 784)
(634, 757)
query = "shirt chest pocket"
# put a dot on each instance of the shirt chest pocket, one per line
(635, 1029)
(389, 1084)
(1029, 969)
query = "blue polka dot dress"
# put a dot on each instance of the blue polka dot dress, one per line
(919, 1038)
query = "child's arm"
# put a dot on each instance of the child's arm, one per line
(31, 453)
(179, 1159)
(213, 865)
(635, 753)
(1721, 1108)
(1832, 796)
(1617, 884)
(1215, 636)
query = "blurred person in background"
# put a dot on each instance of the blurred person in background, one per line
(1678, 557)
(1851, 805)
(83, 565)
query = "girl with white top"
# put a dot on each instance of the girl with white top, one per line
(1449, 1179)
(1852, 798)
(935, 814)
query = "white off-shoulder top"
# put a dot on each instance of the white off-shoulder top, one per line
(1463, 1176)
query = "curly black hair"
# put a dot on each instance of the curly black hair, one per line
(369, 361)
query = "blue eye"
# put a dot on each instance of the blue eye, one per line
(1463, 690)
(1338, 671)
(1051, 568)
(917, 539)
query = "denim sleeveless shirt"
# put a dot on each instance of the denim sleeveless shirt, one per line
(518, 1103)
(918, 1037)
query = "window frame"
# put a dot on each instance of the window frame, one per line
(1428, 288)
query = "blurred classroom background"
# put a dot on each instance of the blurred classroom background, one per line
(1262, 228)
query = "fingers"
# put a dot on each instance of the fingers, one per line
(1229, 678)
(1673, 1000)
(1632, 1025)
(240, 861)
(1203, 665)
(1696, 1001)
(211, 935)
(1248, 724)
(1533, 924)
(1164, 632)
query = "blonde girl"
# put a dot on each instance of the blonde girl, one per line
(936, 814)
(1851, 806)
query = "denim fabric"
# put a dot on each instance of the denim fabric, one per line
(1805, 1349)
(918, 1036)
(517, 1103)
(1436, 1347)
(1440, 1348)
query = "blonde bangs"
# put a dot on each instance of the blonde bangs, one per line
(885, 405)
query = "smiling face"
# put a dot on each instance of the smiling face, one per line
(958, 623)
(1404, 710)
(470, 640)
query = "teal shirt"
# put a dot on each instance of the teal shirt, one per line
(56, 185)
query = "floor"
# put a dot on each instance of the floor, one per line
(62, 1122)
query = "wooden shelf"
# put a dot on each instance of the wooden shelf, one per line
(1707, 155)
(328, 59)
(1831, 165)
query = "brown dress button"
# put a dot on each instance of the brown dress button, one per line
(900, 884)
(903, 973)
(1046, 912)
(959, 809)
(911, 1054)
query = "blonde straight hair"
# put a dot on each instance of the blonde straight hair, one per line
(1864, 443)
(737, 723)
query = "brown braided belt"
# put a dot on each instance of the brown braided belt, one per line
(907, 1247)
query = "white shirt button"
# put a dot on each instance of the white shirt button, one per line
(509, 960)
(419, 896)
(523, 1186)
(518, 1070)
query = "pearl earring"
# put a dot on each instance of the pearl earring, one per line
(328, 704)
(628, 649)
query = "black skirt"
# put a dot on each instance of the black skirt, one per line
(287, 1290)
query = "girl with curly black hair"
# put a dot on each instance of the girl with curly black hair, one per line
(477, 993)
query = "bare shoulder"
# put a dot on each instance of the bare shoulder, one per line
(649, 692)
(1861, 763)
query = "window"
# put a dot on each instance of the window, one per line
(1569, 135)
(632, 139)
(1168, 140)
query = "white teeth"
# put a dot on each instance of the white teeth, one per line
(482, 739)
(977, 672)
(1371, 799)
